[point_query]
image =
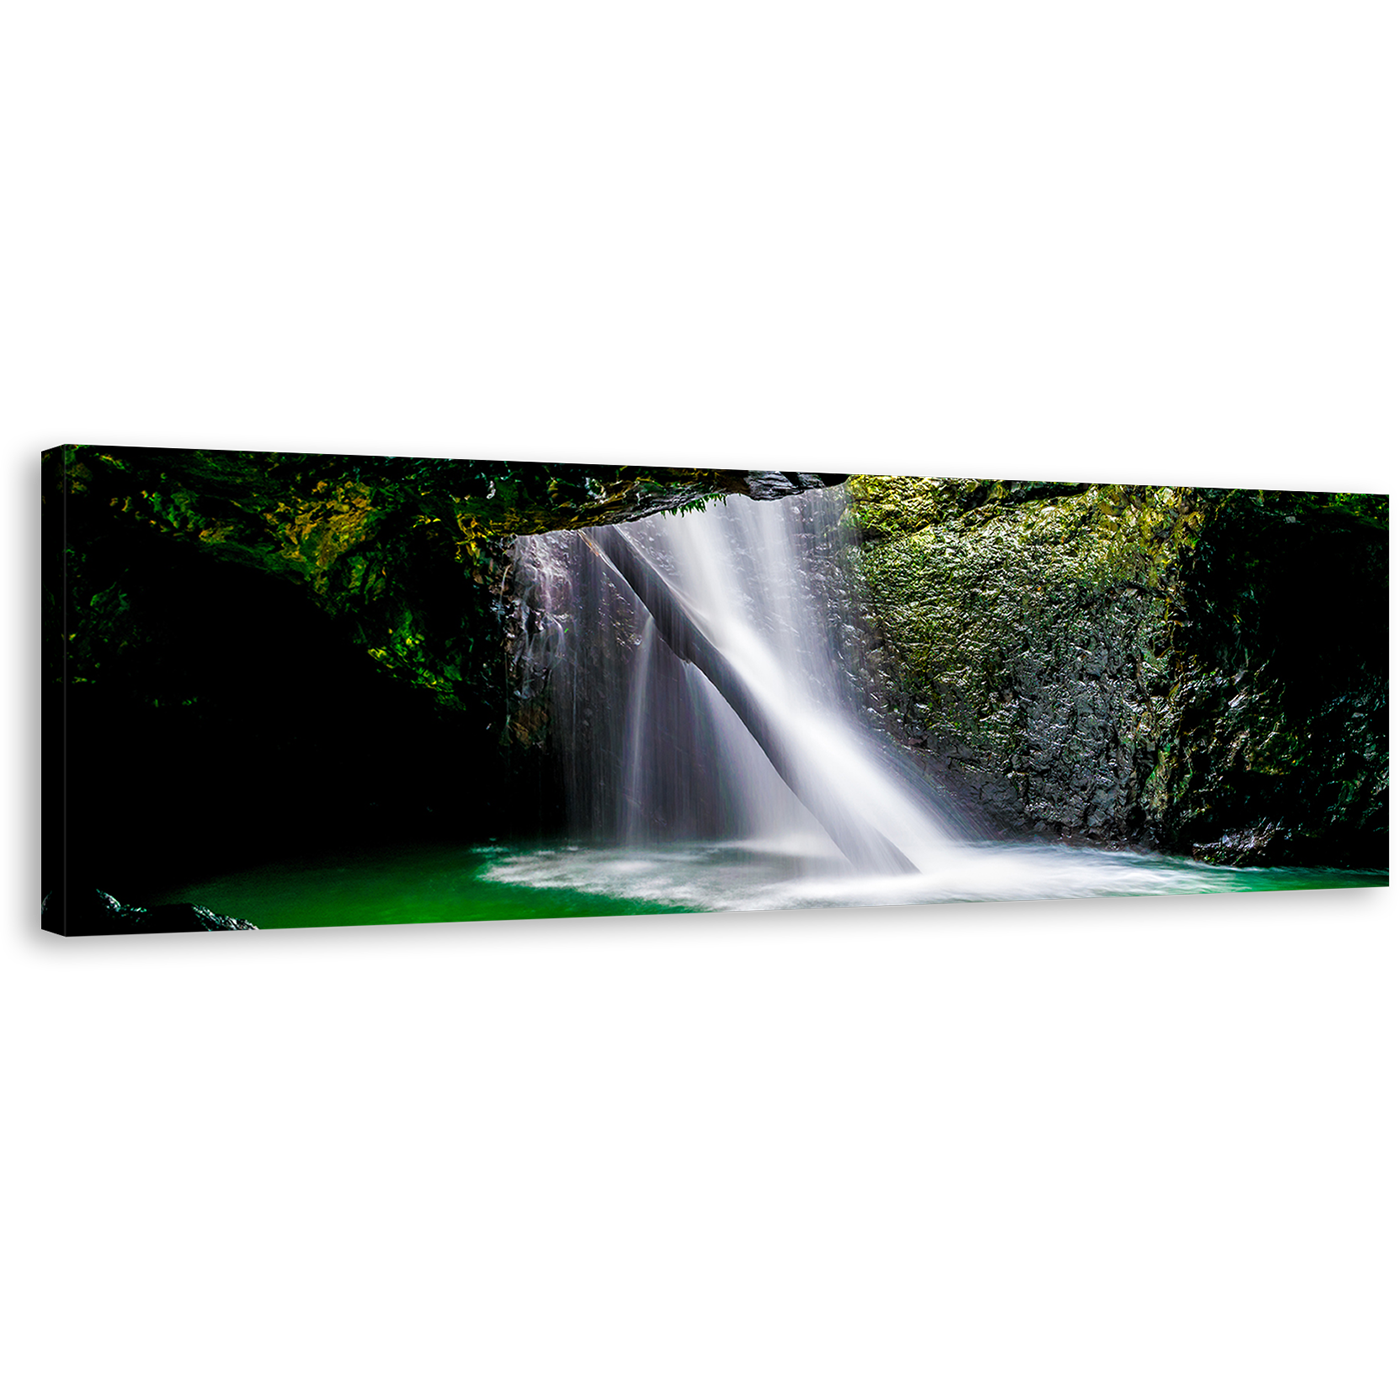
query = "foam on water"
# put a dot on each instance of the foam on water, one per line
(446, 884)
(736, 876)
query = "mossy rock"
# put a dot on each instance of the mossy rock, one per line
(1199, 670)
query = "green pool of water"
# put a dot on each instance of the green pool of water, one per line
(454, 884)
(409, 886)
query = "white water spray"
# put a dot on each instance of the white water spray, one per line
(759, 743)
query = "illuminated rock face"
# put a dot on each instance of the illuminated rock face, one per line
(1202, 671)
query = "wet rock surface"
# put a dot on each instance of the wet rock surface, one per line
(1281, 752)
(1193, 670)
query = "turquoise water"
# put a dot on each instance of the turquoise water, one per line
(448, 884)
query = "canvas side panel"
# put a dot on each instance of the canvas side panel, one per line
(54, 682)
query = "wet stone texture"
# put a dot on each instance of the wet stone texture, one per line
(1198, 671)
(1281, 749)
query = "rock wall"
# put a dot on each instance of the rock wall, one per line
(1201, 671)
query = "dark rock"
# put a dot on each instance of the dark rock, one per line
(772, 486)
(90, 911)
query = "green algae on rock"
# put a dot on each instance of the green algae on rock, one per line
(1198, 670)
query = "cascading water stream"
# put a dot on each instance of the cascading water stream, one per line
(700, 692)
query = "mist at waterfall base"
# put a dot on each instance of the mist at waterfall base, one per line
(692, 669)
(673, 804)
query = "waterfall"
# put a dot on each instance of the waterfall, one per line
(697, 672)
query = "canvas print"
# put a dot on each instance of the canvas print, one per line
(287, 690)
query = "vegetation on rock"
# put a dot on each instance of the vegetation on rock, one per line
(1195, 669)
